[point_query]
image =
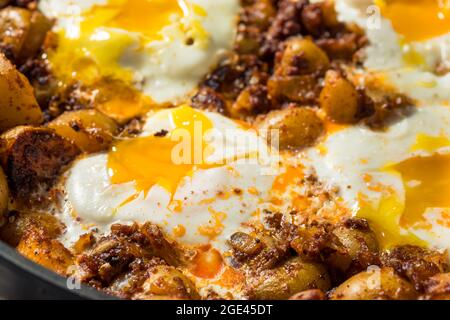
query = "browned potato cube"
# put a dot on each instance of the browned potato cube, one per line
(13, 231)
(33, 158)
(47, 252)
(90, 130)
(22, 32)
(302, 56)
(376, 284)
(292, 277)
(297, 127)
(168, 282)
(18, 105)
(339, 99)
(301, 89)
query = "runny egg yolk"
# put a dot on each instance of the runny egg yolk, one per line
(93, 42)
(417, 20)
(146, 17)
(427, 185)
(163, 160)
(426, 180)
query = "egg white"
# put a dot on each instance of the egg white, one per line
(357, 151)
(93, 202)
(168, 69)
(385, 54)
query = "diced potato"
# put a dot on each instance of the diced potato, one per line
(90, 130)
(302, 56)
(167, 281)
(33, 158)
(296, 127)
(47, 252)
(377, 284)
(339, 99)
(301, 89)
(292, 277)
(13, 231)
(22, 32)
(18, 105)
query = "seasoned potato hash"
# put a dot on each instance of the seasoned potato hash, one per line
(348, 200)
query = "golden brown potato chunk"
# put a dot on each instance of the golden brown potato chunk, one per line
(22, 32)
(33, 158)
(89, 130)
(296, 127)
(292, 277)
(339, 99)
(376, 284)
(47, 252)
(13, 231)
(302, 56)
(168, 282)
(18, 105)
(301, 89)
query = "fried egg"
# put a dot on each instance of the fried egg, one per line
(397, 179)
(162, 48)
(200, 188)
(409, 40)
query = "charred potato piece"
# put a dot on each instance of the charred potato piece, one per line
(22, 32)
(33, 158)
(377, 284)
(18, 106)
(89, 130)
(4, 194)
(20, 222)
(339, 99)
(47, 252)
(292, 277)
(168, 282)
(297, 127)
(302, 56)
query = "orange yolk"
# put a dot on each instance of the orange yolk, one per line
(207, 263)
(417, 20)
(427, 184)
(151, 160)
(146, 17)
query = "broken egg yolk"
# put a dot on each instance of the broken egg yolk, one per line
(417, 20)
(163, 160)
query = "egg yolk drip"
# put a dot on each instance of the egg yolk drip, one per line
(417, 20)
(426, 181)
(163, 160)
(427, 185)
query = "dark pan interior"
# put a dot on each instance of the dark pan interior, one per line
(21, 278)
